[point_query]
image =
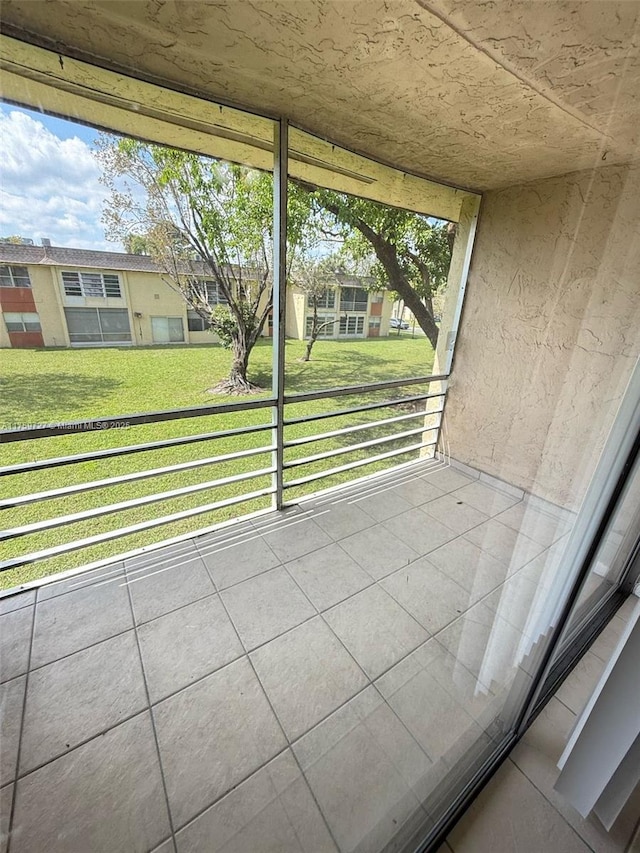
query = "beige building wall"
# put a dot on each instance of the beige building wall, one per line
(550, 331)
(48, 305)
(296, 313)
(150, 296)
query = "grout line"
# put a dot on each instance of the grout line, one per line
(21, 728)
(153, 724)
(556, 810)
(284, 733)
(139, 712)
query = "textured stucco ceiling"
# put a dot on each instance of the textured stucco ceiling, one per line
(478, 94)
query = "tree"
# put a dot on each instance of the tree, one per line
(136, 244)
(412, 252)
(208, 224)
(317, 278)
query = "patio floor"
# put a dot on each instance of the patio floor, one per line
(298, 682)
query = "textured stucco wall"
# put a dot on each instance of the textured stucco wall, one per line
(550, 331)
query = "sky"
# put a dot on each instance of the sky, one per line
(49, 181)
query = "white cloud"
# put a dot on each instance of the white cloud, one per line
(50, 186)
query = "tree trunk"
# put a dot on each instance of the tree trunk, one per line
(387, 254)
(237, 381)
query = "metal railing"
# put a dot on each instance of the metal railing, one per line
(380, 434)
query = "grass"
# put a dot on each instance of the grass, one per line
(49, 386)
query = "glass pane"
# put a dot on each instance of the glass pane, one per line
(175, 329)
(115, 320)
(160, 329)
(82, 321)
(116, 240)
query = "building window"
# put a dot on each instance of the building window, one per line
(215, 296)
(353, 299)
(98, 325)
(326, 331)
(14, 276)
(167, 330)
(22, 322)
(377, 298)
(98, 284)
(374, 322)
(324, 300)
(195, 323)
(351, 325)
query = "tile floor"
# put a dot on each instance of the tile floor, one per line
(519, 811)
(299, 682)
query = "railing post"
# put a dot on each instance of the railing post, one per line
(279, 301)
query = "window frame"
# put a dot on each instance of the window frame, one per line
(22, 321)
(80, 287)
(351, 303)
(12, 275)
(168, 318)
(327, 331)
(102, 341)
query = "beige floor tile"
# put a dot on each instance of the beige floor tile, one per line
(9, 603)
(455, 513)
(79, 580)
(263, 607)
(378, 552)
(418, 491)
(487, 499)
(307, 674)
(383, 503)
(511, 816)
(11, 705)
(421, 531)
(207, 641)
(171, 581)
(230, 563)
(213, 735)
(78, 619)
(294, 538)
(343, 519)
(375, 629)
(537, 755)
(540, 526)
(360, 764)
(106, 796)
(77, 697)
(580, 683)
(427, 593)
(6, 799)
(15, 638)
(328, 576)
(447, 478)
(469, 566)
(272, 812)
(504, 543)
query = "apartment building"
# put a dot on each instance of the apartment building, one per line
(52, 296)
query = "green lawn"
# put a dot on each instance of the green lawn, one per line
(42, 386)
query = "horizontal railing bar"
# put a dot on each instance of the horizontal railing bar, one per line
(109, 509)
(367, 407)
(118, 421)
(363, 445)
(22, 500)
(295, 442)
(358, 464)
(110, 452)
(346, 390)
(57, 550)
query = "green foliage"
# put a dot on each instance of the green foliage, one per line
(422, 244)
(202, 220)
